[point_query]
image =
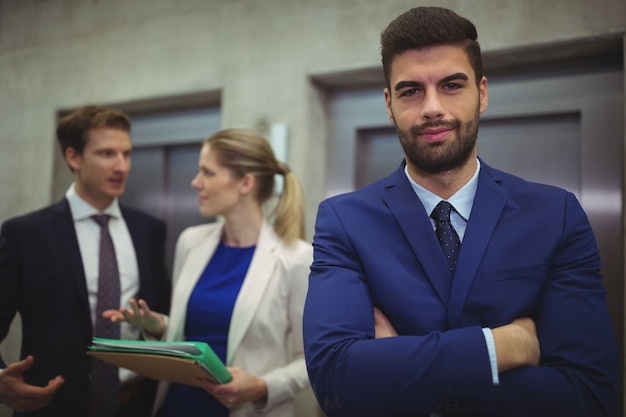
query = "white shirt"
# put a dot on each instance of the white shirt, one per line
(88, 235)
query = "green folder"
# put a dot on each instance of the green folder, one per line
(180, 362)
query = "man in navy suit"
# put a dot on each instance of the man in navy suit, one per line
(517, 325)
(49, 274)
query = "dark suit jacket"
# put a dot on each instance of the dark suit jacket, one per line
(528, 250)
(42, 278)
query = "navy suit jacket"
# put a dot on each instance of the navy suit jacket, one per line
(528, 251)
(42, 278)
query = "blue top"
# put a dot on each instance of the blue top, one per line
(209, 311)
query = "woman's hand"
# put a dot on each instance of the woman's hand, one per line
(243, 388)
(140, 315)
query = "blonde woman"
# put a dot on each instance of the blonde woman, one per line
(239, 284)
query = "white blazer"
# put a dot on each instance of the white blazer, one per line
(265, 335)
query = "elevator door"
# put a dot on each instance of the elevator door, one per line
(166, 147)
(561, 129)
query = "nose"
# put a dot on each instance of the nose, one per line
(195, 182)
(122, 162)
(432, 107)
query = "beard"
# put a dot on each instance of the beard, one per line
(435, 158)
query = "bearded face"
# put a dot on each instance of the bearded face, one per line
(434, 158)
(435, 103)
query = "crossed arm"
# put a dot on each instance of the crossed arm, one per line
(516, 343)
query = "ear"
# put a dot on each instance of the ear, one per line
(388, 104)
(73, 158)
(483, 93)
(247, 183)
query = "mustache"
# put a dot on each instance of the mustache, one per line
(419, 129)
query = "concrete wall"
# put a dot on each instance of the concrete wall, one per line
(59, 54)
(258, 56)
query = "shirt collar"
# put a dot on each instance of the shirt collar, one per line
(82, 210)
(462, 200)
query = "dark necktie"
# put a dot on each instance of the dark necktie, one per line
(446, 234)
(104, 387)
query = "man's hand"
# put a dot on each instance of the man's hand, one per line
(517, 344)
(382, 326)
(20, 396)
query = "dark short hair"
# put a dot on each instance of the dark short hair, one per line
(72, 129)
(423, 27)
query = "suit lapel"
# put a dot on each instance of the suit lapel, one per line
(62, 225)
(260, 272)
(488, 205)
(414, 222)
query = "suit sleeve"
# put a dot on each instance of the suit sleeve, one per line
(9, 280)
(10, 284)
(163, 280)
(579, 370)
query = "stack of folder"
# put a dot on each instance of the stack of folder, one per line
(179, 362)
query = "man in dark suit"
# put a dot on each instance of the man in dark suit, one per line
(49, 272)
(487, 287)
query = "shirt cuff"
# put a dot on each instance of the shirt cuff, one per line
(493, 359)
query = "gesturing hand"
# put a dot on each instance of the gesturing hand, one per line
(140, 315)
(20, 396)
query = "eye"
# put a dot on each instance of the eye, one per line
(107, 153)
(451, 86)
(410, 92)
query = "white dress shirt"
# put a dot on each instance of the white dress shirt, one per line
(88, 234)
